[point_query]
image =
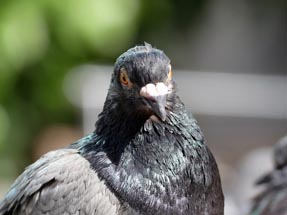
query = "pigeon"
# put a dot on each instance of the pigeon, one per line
(273, 199)
(146, 156)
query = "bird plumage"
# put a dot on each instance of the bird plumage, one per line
(273, 199)
(53, 186)
(146, 159)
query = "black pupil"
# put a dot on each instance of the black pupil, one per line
(124, 79)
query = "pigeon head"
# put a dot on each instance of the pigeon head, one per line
(280, 153)
(142, 81)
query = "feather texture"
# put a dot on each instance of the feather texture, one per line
(273, 200)
(53, 186)
(142, 159)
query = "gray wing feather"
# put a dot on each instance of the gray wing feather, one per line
(273, 199)
(61, 182)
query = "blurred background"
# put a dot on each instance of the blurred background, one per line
(229, 60)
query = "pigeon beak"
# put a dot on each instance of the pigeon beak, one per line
(158, 106)
(156, 97)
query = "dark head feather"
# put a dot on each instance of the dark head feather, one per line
(144, 64)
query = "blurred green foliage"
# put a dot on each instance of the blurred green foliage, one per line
(40, 41)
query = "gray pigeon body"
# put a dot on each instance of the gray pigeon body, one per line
(53, 186)
(273, 200)
(146, 156)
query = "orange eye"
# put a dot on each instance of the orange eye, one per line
(169, 76)
(124, 78)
